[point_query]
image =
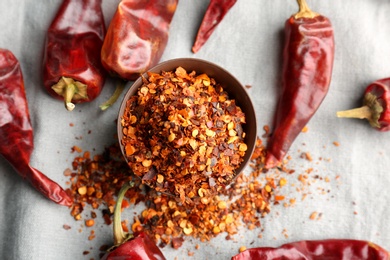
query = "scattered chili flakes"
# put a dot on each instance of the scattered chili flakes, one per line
(77, 149)
(92, 235)
(89, 222)
(285, 233)
(66, 227)
(96, 180)
(267, 131)
(307, 156)
(183, 135)
(315, 215)
(336, 143)
(168, 220)
(242, 249)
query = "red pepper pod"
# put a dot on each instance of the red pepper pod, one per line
(215, 12)
(331, 249)
(376, 106)
(130, 246)
(307, 70)
(137, 36)
(141, 247)
(16, 132)
(72, 70)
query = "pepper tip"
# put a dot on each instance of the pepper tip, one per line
(270, 161)
(69, 106)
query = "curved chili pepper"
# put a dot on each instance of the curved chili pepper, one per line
(137, 36)
(215, 12)
(331, 249)
(376, 106)
(307, 70)
(16, 132)
(130, 246)
(72, 70)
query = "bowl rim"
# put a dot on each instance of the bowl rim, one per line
(250, 141)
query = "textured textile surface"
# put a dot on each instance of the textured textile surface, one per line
(248, 42)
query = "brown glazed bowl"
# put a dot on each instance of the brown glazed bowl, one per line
(230, 84)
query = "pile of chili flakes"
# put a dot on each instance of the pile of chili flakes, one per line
(183, 135)
(94, 183)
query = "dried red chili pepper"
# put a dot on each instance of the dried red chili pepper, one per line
(16, 132)
(307, 70)
(137, 36)
(376, 106)
(72, 70)
(318, 249)
(130, 246)
(215, 12)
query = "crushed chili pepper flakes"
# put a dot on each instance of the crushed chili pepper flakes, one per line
(169, 221)
(183, 135)
(66, 227)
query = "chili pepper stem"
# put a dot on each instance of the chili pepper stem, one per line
(68, 95)
(118, 91)
(304, 11)
(363, 112)
(70, 89)
(119, 235)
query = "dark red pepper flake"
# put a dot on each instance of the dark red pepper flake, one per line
(66, 227)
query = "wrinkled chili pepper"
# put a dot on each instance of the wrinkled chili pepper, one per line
(307, 70)
(137, 36)
(376, 106)
(215, 12)
(16, 132)
(130, 246)
(331, 249)
(72, 70)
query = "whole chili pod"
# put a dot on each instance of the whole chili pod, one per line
(376, 106)
(331, 249)
(307, 70)
(137, 36)
(72, 70)
(16, 132)
(130, 246)
(215, 12)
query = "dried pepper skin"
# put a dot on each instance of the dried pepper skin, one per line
(72, 51)
(140, 247)
(137, 37)
(215, 12)
(307, 69)
(16, 132)
(376, 106)
(331, 249)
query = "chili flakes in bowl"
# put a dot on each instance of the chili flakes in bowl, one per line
(182, 134)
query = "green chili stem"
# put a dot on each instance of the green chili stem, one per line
(119, 234)
(118, 90)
